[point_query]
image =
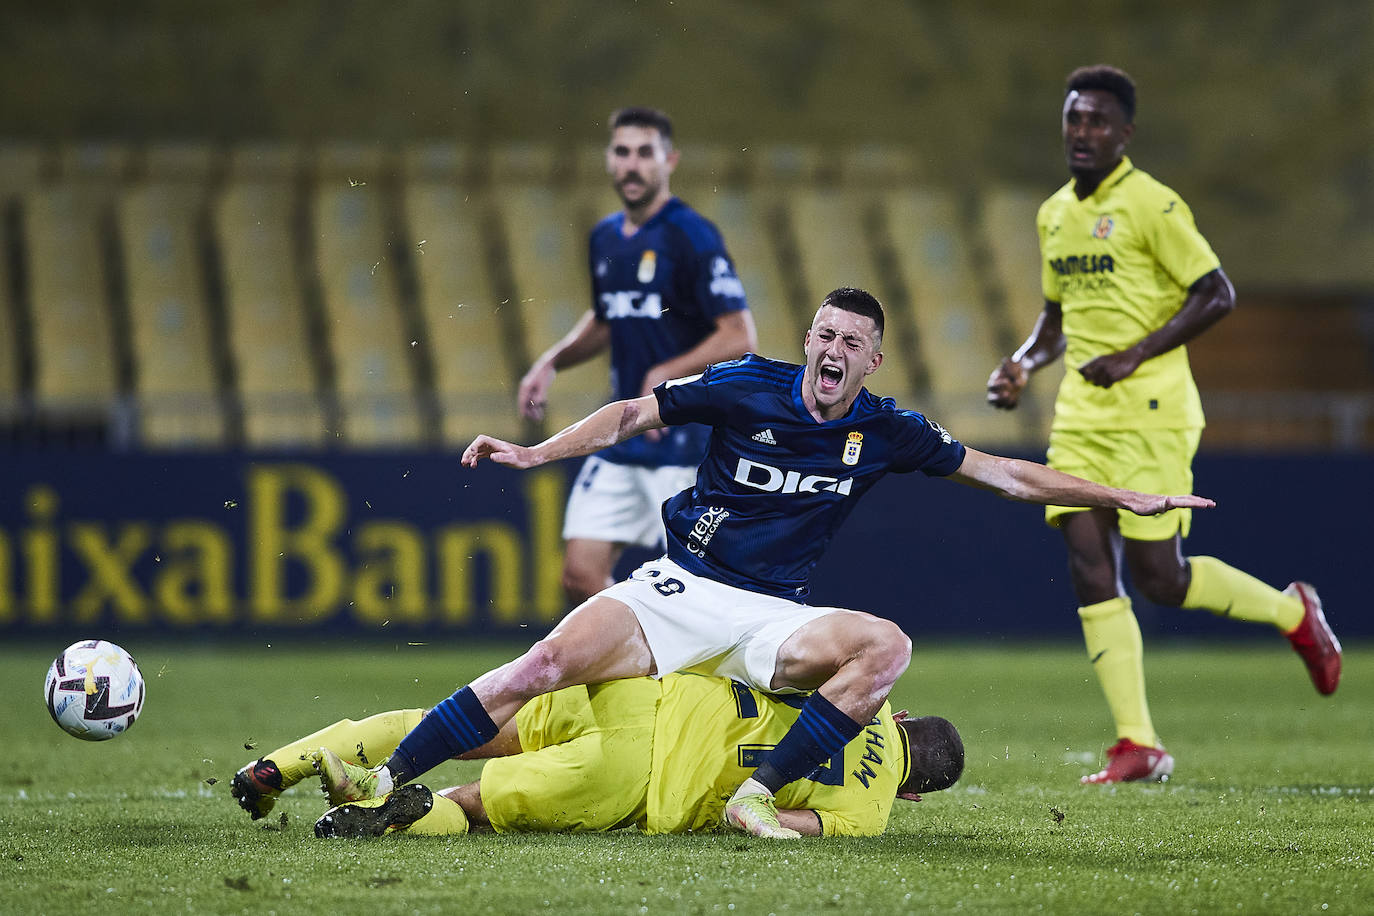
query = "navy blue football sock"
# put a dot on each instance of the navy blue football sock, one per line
(455, 726)
(819, 733)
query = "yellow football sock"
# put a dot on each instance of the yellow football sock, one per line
(446, 818)
(1114, 646)
(1228, 592)
(367, 742)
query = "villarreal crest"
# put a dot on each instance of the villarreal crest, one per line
(852, 446)
(648, 263)
(1102, 230)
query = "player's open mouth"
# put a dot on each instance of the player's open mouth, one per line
(830, 376)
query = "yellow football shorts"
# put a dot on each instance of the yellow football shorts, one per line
(1151, 461)
(585, 765)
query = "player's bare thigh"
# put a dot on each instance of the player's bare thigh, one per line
(587, 566)
(600, 640)
(856, 647)
(1094, 546)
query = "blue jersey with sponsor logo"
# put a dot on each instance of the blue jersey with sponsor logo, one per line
(660, 291)
(776, 484)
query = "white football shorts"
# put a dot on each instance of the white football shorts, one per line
(697, 624)
(622, 503)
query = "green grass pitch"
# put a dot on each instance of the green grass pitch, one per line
(1269, 811)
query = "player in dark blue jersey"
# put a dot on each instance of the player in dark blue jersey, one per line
(666, 300)
(792, 448)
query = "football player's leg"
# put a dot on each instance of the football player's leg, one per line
(1112, 637)
(853, 659)
(366, 742)
(413, 810)
(587, 567)
(599, 641)
(1206, 583)
(605, 512)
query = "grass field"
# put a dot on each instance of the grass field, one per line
(1270, 809)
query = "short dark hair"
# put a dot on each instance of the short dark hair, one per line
(858, 301)
(1108, 79)
(642, 116)
(935, 754)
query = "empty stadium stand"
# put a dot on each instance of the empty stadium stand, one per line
(177, 375)
(269, 337)
(364, 325)
(449, 226)
(271, 296)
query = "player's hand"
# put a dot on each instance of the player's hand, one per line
(1006, 383)
(499, 451)
(1105, 371)
(533, 394)
(1151, 504)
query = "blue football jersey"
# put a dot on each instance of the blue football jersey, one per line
(775, 484)
(660, 291)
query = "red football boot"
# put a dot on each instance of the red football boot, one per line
(1131, 762)
(1314, 641)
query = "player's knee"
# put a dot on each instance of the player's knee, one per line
(1163, 582)
(1162, 587)
(888, 650)
(580, 583)
(539, 670)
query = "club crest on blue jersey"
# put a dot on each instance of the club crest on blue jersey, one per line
(1104, 227)
(852, 446)
(648, 264)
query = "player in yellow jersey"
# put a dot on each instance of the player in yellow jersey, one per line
(664, 756)
(1128, 280)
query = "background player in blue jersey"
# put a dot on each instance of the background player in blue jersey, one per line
(666, 300)
(792, 448)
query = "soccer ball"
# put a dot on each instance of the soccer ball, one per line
(94, 690)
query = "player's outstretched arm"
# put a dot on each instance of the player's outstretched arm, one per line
(1027, 481)
(613, 423)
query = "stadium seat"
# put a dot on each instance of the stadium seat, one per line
(879, 167)
(364, 323)
(266, 321)
(74, 344)
(194, 164)
(473, 376)
(957, 334)
(524, 163)
(787, 165)
(103, 166)
(254, 162)
(546, 233)
(439, 162)
(11, 347)
(21, 169)
(176, 376)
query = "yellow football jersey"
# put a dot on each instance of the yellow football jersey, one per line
(1120, 264)
(710, 735)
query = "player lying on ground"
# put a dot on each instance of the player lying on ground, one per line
(792, 449)
(660, 755)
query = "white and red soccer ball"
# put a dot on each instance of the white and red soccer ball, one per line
(94, 690)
